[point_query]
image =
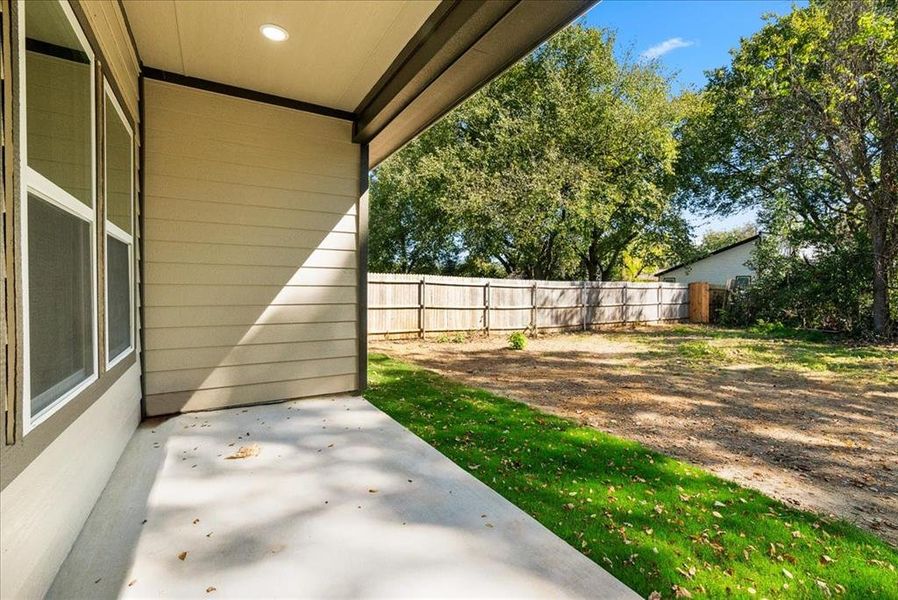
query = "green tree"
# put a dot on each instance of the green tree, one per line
(557, 169)
(565, 159)
(412, 228)
(805, 122)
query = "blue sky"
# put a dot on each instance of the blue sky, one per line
(688, 37)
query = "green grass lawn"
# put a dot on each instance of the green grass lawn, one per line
(656, 523)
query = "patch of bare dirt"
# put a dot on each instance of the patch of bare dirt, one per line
(819, 442)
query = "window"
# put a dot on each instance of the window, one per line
(741, 282)
(58, 215)
(119, 188)
(669, 279)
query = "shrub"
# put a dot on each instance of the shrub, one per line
(824, 288)
(517, 341)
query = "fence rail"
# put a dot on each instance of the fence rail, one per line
(401, 304)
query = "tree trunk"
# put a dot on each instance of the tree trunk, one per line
(881, 268)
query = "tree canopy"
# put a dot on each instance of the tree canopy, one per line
(560, 168)
(803, 125)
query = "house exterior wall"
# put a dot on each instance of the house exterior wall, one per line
(44, 508)
(717, 269)
(52, 477)
(251, 251)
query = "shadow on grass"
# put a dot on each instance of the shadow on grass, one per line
(654, 522)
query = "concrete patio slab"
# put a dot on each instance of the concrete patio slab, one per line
(341, 501)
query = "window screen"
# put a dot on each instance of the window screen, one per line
(60, 302)
(118, 297)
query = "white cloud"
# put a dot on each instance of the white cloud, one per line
(665, 47)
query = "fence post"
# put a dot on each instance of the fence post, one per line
(660, 303)
(626, 295)
(422, 307)
(486, 306)
(583, 298)
(533, 323)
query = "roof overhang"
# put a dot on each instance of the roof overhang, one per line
(392, 67)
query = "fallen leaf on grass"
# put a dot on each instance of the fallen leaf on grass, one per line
(245, 452)
(182, 555)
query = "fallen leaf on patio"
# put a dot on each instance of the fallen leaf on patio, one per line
(372, 491)
(245, 452)
(210, 589)
(182, 555)
(195, 521)
(130, 583)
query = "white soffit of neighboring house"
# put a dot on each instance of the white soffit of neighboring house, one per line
(335, 54)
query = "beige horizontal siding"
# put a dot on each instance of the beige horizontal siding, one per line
(249, 295)
(205, 316)
(219, 356)
(246, 235)
(248, 195)
(232, 214)
(229, 254)
(245, 275)
(251, 252)
(240, 335)
(227, 376)
(160, 404)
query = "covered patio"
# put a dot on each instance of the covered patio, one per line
(340, 501)
(184, 231)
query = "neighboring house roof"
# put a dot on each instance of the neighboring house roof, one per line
(718, 251)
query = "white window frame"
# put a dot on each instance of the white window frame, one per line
(36, 184)
(116, 231)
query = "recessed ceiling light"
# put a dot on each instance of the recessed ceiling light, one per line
(274, 32)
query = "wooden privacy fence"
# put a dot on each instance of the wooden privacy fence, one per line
(415, 304)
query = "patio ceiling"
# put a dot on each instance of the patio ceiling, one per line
(392, 66)
(335, 54)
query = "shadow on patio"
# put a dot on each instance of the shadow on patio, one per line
(340, 501)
